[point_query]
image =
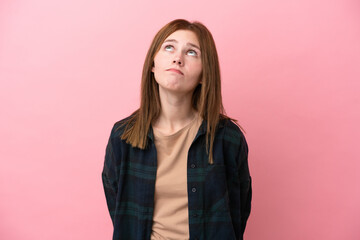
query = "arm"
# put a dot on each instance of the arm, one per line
(109, 179)
(245, 184)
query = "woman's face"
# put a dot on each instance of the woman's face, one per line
(177, 65)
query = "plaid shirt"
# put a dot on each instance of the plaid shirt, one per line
(219, 195)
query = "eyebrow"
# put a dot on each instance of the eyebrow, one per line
(190, 44)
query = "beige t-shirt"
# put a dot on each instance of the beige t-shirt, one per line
(170, 219)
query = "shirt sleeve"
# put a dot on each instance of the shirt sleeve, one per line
(245, 184)
(109, 178)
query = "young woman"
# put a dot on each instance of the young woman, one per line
(177, 167)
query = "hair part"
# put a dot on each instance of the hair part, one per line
(206, 97)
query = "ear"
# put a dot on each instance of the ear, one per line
(200, 82)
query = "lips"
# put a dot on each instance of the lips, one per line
(175, 70)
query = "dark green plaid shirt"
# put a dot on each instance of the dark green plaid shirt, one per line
(219, 195)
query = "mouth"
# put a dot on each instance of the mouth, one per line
(175, 70)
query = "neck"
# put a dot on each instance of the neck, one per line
(176, 111)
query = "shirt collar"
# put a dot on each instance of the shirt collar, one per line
(201, 131)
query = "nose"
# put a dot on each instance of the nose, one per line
(178, 59)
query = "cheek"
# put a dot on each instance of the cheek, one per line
(198, 69)
(159, 59)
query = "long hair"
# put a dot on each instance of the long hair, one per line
(206, 98)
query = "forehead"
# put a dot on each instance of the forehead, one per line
(185, 36)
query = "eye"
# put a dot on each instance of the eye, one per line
(192, 53)
(168, 47)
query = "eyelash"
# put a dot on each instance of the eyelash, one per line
(188, 50)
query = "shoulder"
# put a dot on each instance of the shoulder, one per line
(231, 128)
(119, 127)
(232, 133)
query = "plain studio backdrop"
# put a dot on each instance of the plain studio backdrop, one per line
(290, 74)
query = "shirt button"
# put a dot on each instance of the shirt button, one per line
(195, 215)
(192, 165)
(193, 189)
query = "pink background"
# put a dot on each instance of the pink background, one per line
(69, 69)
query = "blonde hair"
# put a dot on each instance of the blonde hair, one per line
(206, 98)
